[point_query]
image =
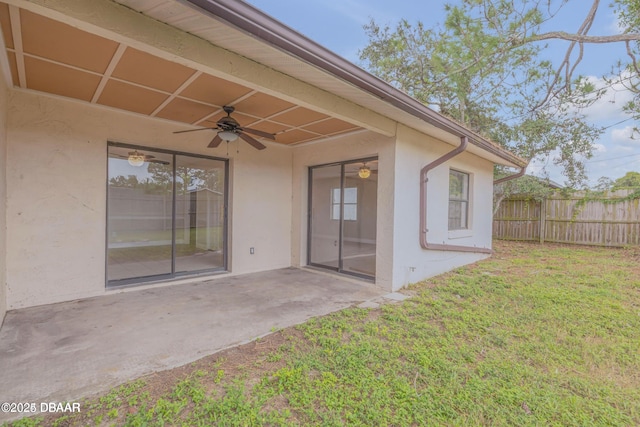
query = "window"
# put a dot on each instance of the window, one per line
(350, 204)
(165, 214)
(458, 200)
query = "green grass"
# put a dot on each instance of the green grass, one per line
(536, 335)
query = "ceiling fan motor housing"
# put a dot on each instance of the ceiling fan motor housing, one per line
(228, 123)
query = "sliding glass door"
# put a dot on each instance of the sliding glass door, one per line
(325, 196)
(342, 217)
(165, 214)
(200, 202)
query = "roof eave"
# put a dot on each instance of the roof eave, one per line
(260, 25)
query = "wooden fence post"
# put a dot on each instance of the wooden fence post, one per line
(543, 219)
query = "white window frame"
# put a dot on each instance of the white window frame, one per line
(351, 214)
(464, 199)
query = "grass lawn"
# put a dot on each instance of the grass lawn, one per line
(535, 335)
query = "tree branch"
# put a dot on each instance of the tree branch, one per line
(583, 38)
(634, 61)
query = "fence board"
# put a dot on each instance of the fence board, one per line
(570, 220)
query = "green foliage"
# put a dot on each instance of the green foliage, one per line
(26, 422)
(606, 197)
(629, 180)
(484, 67)
(628, 13)
(161, 180)
(604, 184)
(527, 186)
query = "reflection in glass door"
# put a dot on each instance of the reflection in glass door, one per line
(140, 216)
(360, 217)
(342, 217)
(199, 213)
(165, 214)
(325, 216)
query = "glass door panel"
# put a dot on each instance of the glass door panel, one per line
(343, 201)
(200, 202)
(360, 218)
(166, 214)
(325, 207)
(140, 200)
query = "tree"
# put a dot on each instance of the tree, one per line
(187, 178)
(483, 67)
(529, 186)
(161, 179)
(629, 180)
(604, 184)
(479, 72)
(522, 23)
(129, 181)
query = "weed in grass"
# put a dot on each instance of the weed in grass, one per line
(27, 422)
(219, 376)
(274, 357)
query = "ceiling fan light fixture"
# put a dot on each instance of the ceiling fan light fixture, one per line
(228, 135)
(136, 159)
(364, 172)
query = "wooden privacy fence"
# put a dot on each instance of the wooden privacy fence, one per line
(609, 220)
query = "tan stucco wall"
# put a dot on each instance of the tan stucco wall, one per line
(56, 198)
(3, 194)
(399, 258)
(355, 146)
(413, 151)
(56, 215)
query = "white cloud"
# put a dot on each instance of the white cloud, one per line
(624, 136)
(546, 168)
(608, 108)
(599, 148)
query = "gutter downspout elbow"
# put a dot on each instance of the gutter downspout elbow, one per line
(464, 141)
(510, 177)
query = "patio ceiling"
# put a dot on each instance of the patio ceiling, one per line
(53, 57)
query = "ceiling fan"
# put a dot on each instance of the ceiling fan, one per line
(229, 130)
(363, 171)
(136, 158)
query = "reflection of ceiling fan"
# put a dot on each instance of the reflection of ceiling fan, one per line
(364, 171)
(229, 130)
(135, 158)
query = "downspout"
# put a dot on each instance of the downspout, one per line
(510, 177)
(464, 141)
(505, 179)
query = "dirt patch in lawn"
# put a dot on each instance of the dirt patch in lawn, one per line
(255, 357)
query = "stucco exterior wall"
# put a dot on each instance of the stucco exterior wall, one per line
(3, 194)
(413, 151)
(56, 196)
(350, 147)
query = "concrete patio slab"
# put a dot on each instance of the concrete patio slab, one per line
(396, 296)
(65, 351)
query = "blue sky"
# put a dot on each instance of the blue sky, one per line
(338, 25)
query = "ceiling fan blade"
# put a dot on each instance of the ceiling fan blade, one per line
(259, 133)
(215, 141)
(193, 130)
(252, 141)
